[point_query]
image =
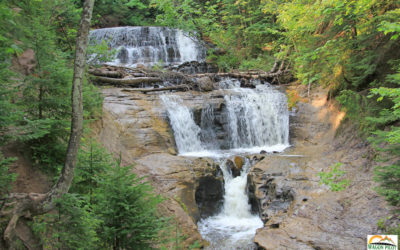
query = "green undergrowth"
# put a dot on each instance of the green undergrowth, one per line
(334, 178)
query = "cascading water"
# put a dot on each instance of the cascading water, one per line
(252, 120)
(248, 121)
(234, 227)
(255, 120)
(207, 134)
(186, 132)
(150, 45)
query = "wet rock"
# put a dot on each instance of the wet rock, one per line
(209, 195)
(232, 167)
(123, 55)
(238, 162)
(245, 83)
(273, 192)
(133, 125)
(205, 84)
(194, 67)
(192, 187)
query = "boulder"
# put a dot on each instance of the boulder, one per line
(238, 162)
(205, 84)
(232, 167)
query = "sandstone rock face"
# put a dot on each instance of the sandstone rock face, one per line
(299, 212)
(136, 126)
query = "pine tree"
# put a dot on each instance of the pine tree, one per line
(128, 210)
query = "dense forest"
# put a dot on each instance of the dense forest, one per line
(350, 47)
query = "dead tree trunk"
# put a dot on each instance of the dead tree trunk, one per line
(99, 72)
(28, 205)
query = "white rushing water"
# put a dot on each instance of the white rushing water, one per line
(253, 120)
(257, 117)
(235, 226)
(186, 132)
(149, 45)
(257, 120)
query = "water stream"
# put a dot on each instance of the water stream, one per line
(254, 120)
(235, 226)
(249, 121)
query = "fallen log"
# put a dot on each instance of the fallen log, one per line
(145, 90)
(99, 72)
(247, 75)
(127, 81)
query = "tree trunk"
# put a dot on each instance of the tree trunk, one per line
(67, 174)
(29, 205)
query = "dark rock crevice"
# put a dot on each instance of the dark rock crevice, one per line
(209, 195)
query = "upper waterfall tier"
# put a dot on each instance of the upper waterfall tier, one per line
(150, 45)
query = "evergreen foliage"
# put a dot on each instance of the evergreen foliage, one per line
(127, 209)
(72, 226)
(36, 103)
(245, 32)
(123, 13)
(108, 207)
(388, 140)
(6, 178)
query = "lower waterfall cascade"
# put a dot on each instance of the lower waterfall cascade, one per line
(235, 226)
(253, 120)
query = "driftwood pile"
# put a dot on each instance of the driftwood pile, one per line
(140, 79)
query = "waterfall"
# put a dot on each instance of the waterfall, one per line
(248, 121)
(234, 227)
(257, 118)
(186, 132)
(253, 120)
(150, 45)
(207, 134)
